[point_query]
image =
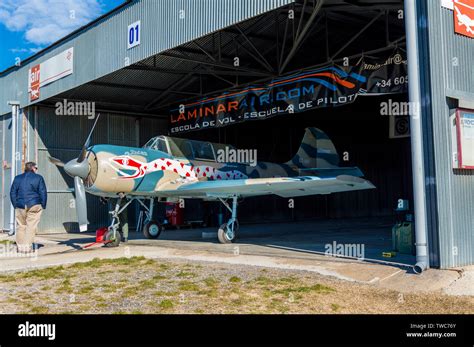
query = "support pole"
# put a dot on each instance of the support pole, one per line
(13, 169)
(419, 191)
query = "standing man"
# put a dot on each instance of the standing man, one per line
(28, 196)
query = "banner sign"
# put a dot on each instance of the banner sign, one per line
(389, 76)
(464, 17)
(51, 70)
(329, 86)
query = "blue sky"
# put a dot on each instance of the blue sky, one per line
(27, 26)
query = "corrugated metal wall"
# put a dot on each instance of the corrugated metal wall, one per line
(452, 71)
(62, 137)
(102, 48)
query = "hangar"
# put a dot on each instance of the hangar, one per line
(137, 64)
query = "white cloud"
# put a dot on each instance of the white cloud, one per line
(46, 21)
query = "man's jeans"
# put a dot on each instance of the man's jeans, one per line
(27, 223)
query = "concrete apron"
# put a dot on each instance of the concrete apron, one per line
(67, 249)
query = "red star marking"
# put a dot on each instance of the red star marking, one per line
(197, 170)
(163, 168)
(207, 169)
(187, 174)
(168, 163)
(175, 170)
(182, 165)
(156, 165)
(204, 174)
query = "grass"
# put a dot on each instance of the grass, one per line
(146, 284)
(188, 286)
(142, 286)
(85, 290)
(96, 262)
(39, 310)
(45, 274)
(161, 293)
(8, 278)
(211, 281)
(317, 288)
(186, 274)
(166, 304)
(65, 287)
(159, 277)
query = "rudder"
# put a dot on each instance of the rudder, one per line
(316, 151)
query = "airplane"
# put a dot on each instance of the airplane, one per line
(464, 19)
(168, 169)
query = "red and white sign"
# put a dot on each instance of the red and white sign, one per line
(464, 17)
(51, 70)
(35, 82)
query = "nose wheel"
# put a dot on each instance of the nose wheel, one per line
(227, 232)
(112, 238)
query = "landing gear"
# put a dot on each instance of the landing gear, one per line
(112, 237)
(152, 230)
(227, 232)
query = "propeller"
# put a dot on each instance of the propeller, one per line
(82, 156)
(79, 170)
(56, 161)
(81, 203)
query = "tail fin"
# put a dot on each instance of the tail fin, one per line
(316, 151)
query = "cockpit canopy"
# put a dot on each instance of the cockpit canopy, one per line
(184, 148)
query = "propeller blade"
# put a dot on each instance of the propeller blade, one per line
(83, 154)
(81, 203)
(56, 161)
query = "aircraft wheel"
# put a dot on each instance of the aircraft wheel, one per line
(110, 240)
(225, 234)
(152, 230)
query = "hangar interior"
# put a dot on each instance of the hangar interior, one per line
(134, 103)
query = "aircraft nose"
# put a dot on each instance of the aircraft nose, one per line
(74, 168)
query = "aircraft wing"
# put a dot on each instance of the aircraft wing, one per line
(282, 186)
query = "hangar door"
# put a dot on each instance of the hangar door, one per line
(63, 137)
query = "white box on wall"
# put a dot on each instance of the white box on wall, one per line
(462, 138)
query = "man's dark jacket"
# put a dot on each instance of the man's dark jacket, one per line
(28, 189)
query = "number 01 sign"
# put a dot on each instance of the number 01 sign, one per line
(133, 34)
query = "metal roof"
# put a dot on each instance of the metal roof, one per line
(205, 65)
(100, 48)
